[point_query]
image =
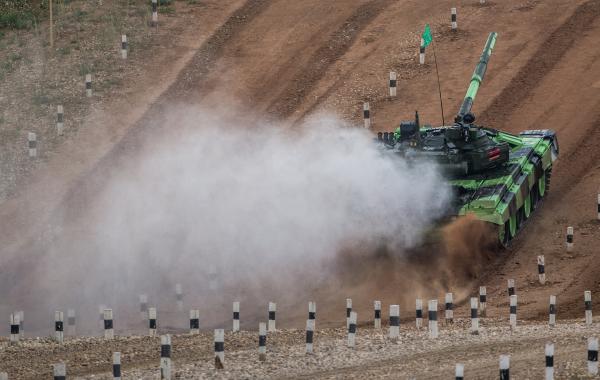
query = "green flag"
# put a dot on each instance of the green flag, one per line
(426, 36)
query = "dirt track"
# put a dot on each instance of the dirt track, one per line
(316, 55)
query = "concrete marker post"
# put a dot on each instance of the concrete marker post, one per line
(236, 316)
(352, 329)
(504, 367)
(449, 306)
(377, 319)
(552, 312)
(143, 306)
(195, 321)
(513, 311)
(598, 205)
(348, 311)
(394, 328)
(60, 371)
(165, 357)
(15, 326)
(59, 334)
(459, 372)
(569, 239)
(393, 83)
(549, 352)
(152, 321)
(272, 311)
(60, 120)
(179, 296)
(511, 287)
(482, 301)
(154, 12)
(71, 329)
(541, 269)
(592, 362)
(124, 46)
(587, 298)
(310, 331)
(422, 52)
(219, 348)
(262, 341)
(312, 312)
(474, 317)
(454, 24)
(367, 115)
(116, 368)
(419, 313)
(32, 144)
(109, 332)
(432, 317)
(88, 85)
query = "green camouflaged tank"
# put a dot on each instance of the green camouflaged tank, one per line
(496, 176)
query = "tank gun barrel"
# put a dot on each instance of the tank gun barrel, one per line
(477, 78)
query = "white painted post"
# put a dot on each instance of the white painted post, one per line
(59, 326)
(481, 1)
(587, 297)
(367, 115)
(569, 239)
(419, 309)
(71, 322)
(453, 18)
(165, 357)
(179, 296)
(15, 325)
(272, 311)
(60, 371)
(348, 311)
(143, 306)
(504, 367)
(60, 120)
(109, 332)
(32, 144)
(262, 341)
(310, 331)
(552, 316)
(154, 12)
(592, 363)
(352, 329)
(541, 269)
(123, 46)
(377, 320)
(513, 311)
(393, 83)
(474, 317)
(236, 316)
(116, 365)
(152, 319)
(422, 52)
(511, 287)
(312, 311)
(21, 324)
(449, 306)
(432, 316)
(88, 85)
(194, 321)
(212, 277)
(394, 329)
(459, 372)
(482, 301)
(219, 348)
(549, 350)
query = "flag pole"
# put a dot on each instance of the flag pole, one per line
(438, 81)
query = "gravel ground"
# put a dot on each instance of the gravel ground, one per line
(413, 356)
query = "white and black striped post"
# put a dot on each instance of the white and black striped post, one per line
(474, 317)
(165, 357)
(154, 12)
(454, 24)
(352, 329)
(482, 301)
(310, 335)
(348, 311)
(377, 319)
(598, 205)
(569, 239)
(592, 362)
(88, 85)
(32, 144)
(367, 115)
(552, 313)
(152, 321)
(116, 370)
(71, 330)
(59, 334)
(419, 313)
(511, 287)
(432, 316)
(179, 296)
(194, 321)
(422, 52)
(549, 351)
(60, 371)
(272, 311)
(459, 372)
(143, 306)
(394, 328)
(15, 326)
(123, 46)
(587, 298)
(236, 316)
(109, 332)
(213, 277)
(312, 311)
(504, 367)
(393, 83)
(541, 269)
(262, 341)
(449, 308)
(513, 311)
(219, 348)
(60, 120)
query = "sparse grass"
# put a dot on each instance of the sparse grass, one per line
(40, 99)
(15, 57)
(166, 10)
(1, 34)
(16, 19)
(64, 50)
(85, 68)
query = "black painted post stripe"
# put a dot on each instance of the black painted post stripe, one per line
(549, 361)
(116, 370)
(394, 321)
(236, 315)
(419, 313)
(14, 329)
(152, 324)
(473, 313)
(194, 323)
(392, 82)
(511, 291)
(312, 315)
(588, 305)
(432, 315)
(422, 49)
(262, 341)
(504, 374)
(569, 238)
(32, 144)
(165, 350)
(309, 336)
(482, 298)
(377, 314)
(513, 310)
(592, 355)
(352, 328)
(88, 85)
(552, 309)
(459, 378)
(449, 306)
(348, 311)
(60, 377)
(154, 7)
(108, 324)
(220, 346)
(453, 17)
(367, 114)
(540, 269)
(598, 207)
(58, 326)
(60, 117)
(271, 315)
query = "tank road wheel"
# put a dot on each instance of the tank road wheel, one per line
(542, 185)
(527, 206)
(503, 234)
